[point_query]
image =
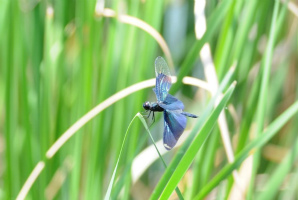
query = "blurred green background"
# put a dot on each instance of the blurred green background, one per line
(59, 59)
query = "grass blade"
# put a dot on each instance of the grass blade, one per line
(277, 178)
(164, 179)
(262, 101)
(164, 163)
(271, 130)
(108, 194)
(212, 23)
(196, 145)
(109, 190)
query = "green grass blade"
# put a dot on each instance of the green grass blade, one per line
(59, 60)
(109, 190)
(164, 179)
(195, 146)
(108, 194)
(213, 22)
(163, 162)
(276, 179)
(10, 109)
(266, 73)
(262, 139)
(262, 101)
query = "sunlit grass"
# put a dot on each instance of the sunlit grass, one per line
(66, 70)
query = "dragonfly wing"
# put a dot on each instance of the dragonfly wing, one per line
(171, 103)
(161, 67)
(169, 141)
(175, 124)
(163, 85)
(163, 79)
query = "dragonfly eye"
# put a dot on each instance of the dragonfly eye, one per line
(146, 105)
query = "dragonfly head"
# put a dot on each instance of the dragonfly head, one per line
(146, 105)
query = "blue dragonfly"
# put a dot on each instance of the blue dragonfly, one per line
(172, 108)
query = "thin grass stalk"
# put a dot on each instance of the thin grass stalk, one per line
(262, 100)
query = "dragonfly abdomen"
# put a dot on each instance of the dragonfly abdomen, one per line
(189, 115)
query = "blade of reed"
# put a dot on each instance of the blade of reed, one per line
(262, 139)
(277, 177)
(262, 100)
(212, 23)
(160, 156)
(164, 179)
(195, 146)
(109, 190)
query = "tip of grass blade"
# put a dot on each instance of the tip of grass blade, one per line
(109, 190)
(232, 69)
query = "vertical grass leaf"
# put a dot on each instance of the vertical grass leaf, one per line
(164, 179)
(195, 146)
(262, 139)
(163, 162)
(108, 194)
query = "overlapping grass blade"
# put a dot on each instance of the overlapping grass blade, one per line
(163, 162)
(276, 179)
(213, 22)
(262, 139)
(109, 190)
(164, 179)
(195, 146)
(59, 60)
(263, 95)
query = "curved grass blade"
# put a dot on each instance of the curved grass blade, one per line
(108, 194)
(164, 163)
(262, 139)
(168, 173)
(195, 146)
(277, 178)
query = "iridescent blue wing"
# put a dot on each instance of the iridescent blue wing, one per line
(171, 103)
(175, 124)
(162, 86)
(163, 79)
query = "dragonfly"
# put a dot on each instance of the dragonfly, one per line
(172, 108)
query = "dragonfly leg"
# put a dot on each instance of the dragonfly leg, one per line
(153, 117)
(149, 114)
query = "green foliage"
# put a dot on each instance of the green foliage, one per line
(60, 59)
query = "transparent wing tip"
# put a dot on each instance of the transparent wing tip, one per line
(158, 57)
(161, 66)
(159, 61)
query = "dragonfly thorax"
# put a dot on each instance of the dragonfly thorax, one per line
(152, 106)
